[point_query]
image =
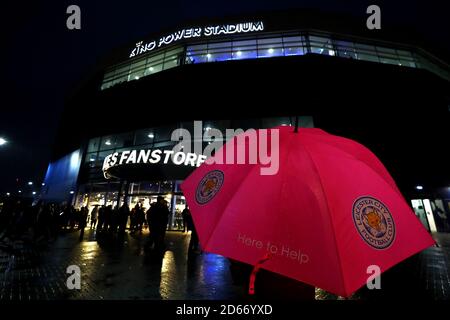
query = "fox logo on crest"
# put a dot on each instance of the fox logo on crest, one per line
(374, 222)
(209, 186)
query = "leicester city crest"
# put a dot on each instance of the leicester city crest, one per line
(209, 186)
(374, 222)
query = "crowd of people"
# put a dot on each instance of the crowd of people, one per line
(42, 222)
(36, 223)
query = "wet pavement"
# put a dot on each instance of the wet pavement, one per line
(113, 269)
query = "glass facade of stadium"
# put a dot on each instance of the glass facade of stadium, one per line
(96, 190)
(269, 45)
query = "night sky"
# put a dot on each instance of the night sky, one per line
(41, 60)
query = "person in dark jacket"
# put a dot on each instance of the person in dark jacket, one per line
(124, 213)
(158, 217)
(94, 216)
(84, 211)
(101, 218)
(140, 218)
(193, 243)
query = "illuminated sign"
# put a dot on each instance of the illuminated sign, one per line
(148, 156)
(196, 32)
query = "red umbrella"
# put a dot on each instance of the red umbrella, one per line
(331, 211)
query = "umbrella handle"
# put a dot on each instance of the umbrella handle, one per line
(251, 288)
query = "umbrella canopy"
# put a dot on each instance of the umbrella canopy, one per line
(330, 211)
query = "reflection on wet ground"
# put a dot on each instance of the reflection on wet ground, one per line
(114, 268)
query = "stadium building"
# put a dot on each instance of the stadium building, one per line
(387, 90)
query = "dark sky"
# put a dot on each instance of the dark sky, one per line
(41, 59)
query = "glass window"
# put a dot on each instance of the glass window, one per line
(155, 59)
(145, 136)
(219, 51)
(403, 54)
(389, 60)
(91, 157)
(387, 51)
(189, 125)
(216, 55)
(163, 133)
(366, 52)
(107, 143)
(164, 145)
(93, 144)
(109, 75)
(279, 121)
(146, 146)
(271, 47)
(245, 124)
(154, 68)
(196, 58)
(116, 141)
(345, 49)
(169, 64)
(166, 186)
(223, 46)
(172, 58)
(244, 49)
(111, 198)
(173, 53)
(137, 69)
(293, 46)
(198, 48)
(145, 187)
(304, 122)
(387, 55)
(406, 58)
(196, 54)
(321, 45)
(102, 155)
(121, 74)
(154, 186)
(122, 149)
(123, 140)
(221, 125)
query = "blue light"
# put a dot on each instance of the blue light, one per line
(75, 160)
(61, 177)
